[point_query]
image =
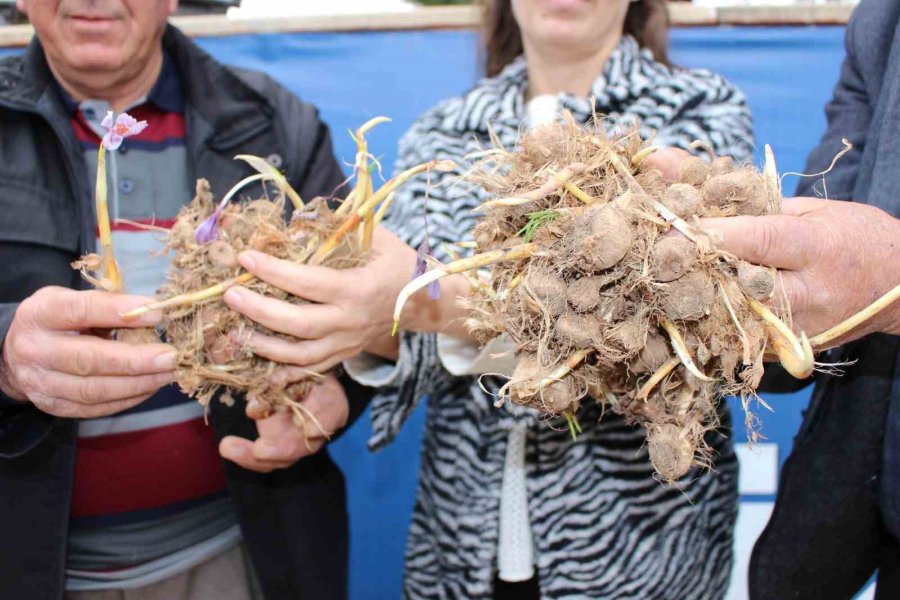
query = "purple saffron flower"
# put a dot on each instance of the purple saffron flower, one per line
(434, 290)
(122, 127)
(424, 250)
(304, 215)
(208, 230)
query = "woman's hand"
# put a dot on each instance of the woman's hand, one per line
(350, 310)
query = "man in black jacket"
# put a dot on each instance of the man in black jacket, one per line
(62, 389)
(836, 519)
(837, 515)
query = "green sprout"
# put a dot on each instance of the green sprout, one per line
(535, 220)
(574, 427)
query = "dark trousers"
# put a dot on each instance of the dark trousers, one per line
(888, 582)
(520, 590)
(827, 535)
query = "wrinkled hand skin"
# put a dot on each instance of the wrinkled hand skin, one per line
(281, 443)
(349, 310)
(52, 359)
(835, 258)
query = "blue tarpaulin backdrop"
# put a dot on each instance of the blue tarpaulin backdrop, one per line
(787, 73)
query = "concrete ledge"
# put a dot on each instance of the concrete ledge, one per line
(467, 17)
(834, 14)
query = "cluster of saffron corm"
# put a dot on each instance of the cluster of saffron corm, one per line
(205, 240)
(601, 277)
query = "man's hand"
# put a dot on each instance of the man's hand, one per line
(51, 359)
(281, 443)
(835, 257)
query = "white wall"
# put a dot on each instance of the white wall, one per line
(291, 8)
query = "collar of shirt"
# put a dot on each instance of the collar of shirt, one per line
(165, 95)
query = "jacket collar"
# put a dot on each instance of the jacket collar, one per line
(24, 79)
(223, 103)
(502, 97)
(224, 110)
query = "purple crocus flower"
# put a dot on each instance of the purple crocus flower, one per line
(424, 250)
(120, 128)
(208, 230)
(304, 215)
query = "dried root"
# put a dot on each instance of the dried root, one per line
(210, 338)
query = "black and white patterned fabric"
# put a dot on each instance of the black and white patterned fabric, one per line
(603, 526)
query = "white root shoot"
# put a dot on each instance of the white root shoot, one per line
(745, 345)
(475, 282)
(660, 374)
(856, 320)
(795, 354)
(681, 350)
(564, 369)
(638, 158)
(459, 266)
(669, 216)
(379, 215)
(191, 297)
(554, 182)
(578, 193)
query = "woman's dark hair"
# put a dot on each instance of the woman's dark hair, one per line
(647, 22)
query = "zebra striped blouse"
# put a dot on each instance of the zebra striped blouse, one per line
(603, 526)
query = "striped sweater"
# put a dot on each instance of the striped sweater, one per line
(603, 526)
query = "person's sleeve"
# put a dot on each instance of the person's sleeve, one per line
(358, 398)
(849, 113)
(7, 312)
(711, 111)
(22, 425)
(462, 357)
(373, 371)
(457, 355)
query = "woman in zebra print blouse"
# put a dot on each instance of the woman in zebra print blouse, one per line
(508, 505)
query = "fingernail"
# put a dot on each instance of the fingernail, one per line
(255, 410)
(151, 319)
(165, 361)
(234, 297)
(247, 260)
